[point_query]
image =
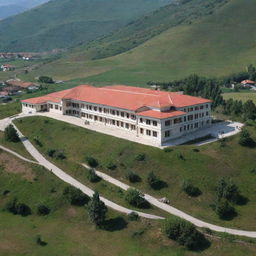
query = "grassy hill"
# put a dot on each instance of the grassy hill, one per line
(65, 23)
(215, 44)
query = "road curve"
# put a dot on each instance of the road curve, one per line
(70, 180)
(199, 223)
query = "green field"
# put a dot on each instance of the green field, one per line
(243, 96)
(9, 109)
(67, 230)
(205, 47)
(202, 168)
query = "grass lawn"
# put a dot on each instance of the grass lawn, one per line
(202, 168)
(243, 96)
(9, 109)
(67, 230)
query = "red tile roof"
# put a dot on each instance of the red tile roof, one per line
(160, 115)
(123, 97)
(247, 82)
(19, 83)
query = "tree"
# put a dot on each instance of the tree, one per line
(92, 176)
(132, 176)
(10, 134)
(75, 196)
(189, 189)
(245, 139)
(97, 210)
(224, 210)
(45, 79)
(153, 180)
(135, 198)
(43, 210)
(92, 162)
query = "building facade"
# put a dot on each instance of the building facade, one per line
(149, 114)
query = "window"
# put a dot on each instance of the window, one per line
(133, 127)
(133, 117)
(127, 126)
(95, 118)
(117, 113)
(148, 132)
(82, 106)
(167, 123)
(167, 134)
(141, 120)
(207, 106)
(181, 129)
(113, 122)
(141, 130)
(201, 107)
(51, 106)
(196, 108)
(90, 107)
(190, 117)
(95, 108)
(117, 123)
(127, 115)
(154, 134)
(100, 110)
(122, 124)
(191, 109)
(155, 123)
(207, 113)
(122, 114)
(83, 114)
(185, 118)
(56, 107)
(148, 122)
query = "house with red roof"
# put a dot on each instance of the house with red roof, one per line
(153, 115)
(248, 83)
(7, 67)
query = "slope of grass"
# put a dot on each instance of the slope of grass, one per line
(243, 96)
(215, 45)
(9, 109)
(67, 230)
(65, 23)
(202, 168)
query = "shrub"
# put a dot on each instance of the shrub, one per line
(92, 162)
(196, 150)
(45, 79)
(92, 176)
(132, 176)
(37, 142)
(153, 180)
(75, 196)
(189, 189)
(140, 157)
(10, 134)
(245, 139)
(183, 232)
(18, 208)
(224, 210)
(43, 210)
(39, 241)
(167, 150)
(60, 155)
(135, 198)
(133, 216)
(51, 152)
(111, 166)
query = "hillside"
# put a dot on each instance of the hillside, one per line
(65, 23)
(215, 44)
(12, 7)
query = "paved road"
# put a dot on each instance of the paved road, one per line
(70, 180)
(176, 212)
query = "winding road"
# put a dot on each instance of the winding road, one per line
(68, 179)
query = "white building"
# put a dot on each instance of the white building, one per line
(152, 115)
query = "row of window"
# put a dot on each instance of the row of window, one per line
(148, 122)
(148, 132)
(109, 121)
(190, 109)
(55, 107)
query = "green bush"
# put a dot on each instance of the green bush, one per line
(10, 134)
(153, 181)
(111, 166)
(140, 157)
(39, 241)
(92, 162)
(133, 216)
(45, 79)
(132, 176)
(245, 139)
(135, 198)
(75, 196)
(184, 233)
(43, 210)
(189, 189)
(18, 208)
(224, 210)
(92, 176)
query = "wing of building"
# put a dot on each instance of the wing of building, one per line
(150, 114)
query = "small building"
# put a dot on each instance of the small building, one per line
(11, 90)
(7, 67)
(22, 85)
(247, 83)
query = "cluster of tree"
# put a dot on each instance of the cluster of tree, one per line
(246, 139)
(10, 134)
(184, 233)
(92, 176)
(17, 208)
(246, 111)
(227, 193)
(196, 86)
